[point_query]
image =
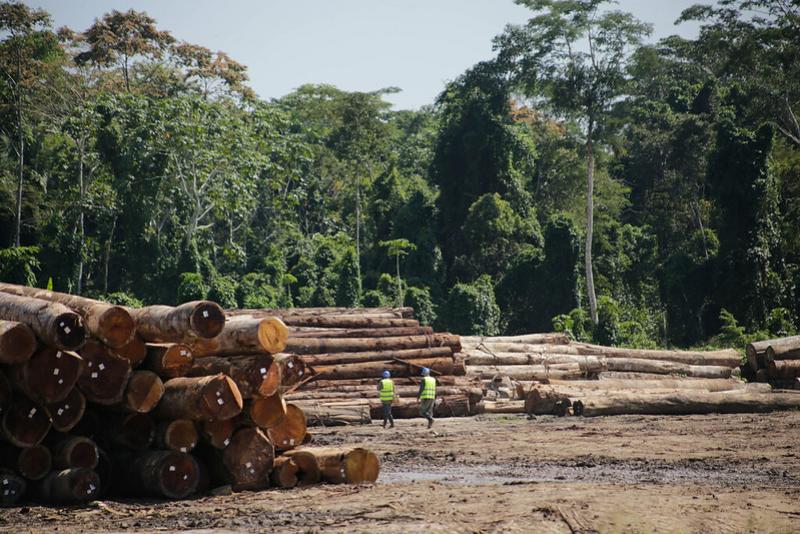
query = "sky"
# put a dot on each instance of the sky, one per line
(356, 45)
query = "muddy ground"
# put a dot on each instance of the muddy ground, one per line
(733, 473)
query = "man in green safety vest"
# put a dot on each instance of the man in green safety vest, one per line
(386, 395)
(427, 395)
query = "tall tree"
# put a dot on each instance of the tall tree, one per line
(571, 58)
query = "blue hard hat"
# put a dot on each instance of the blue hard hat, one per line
(425, 371)
(386, 374)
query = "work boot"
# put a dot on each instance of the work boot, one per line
(384, 424)
(391, 425)
(430, 423)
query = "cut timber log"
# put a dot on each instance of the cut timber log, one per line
(293, 369)
(325, 415)
(244, 335)
(14, 488)
(248, 459)
(169, 360)
(720, 358)
(445, 366)
(518, 358)
(325, 345)
(105, 375)
(308, 472)
(289, 433)
(787, 348)
(686, 402)
(5, 392)
(371, 392)
(504, 407)
(345, 466)
(284, 473)
(169, 474)
(135, 351)
(179, 435)
(167, 324)
(706, 384)
(49, 375)
(545, 400)
(25, 423)
(17, 342)
(490, 347)
(143, 392)
(68, 412)
(662, 367)
(342, 358)
(267, 412)
(218, 433)
(74, 451)
(254, 375)
(135, 431)
(552, 338)
(200, 399)
(33, 463)
(450, 406)
(562, 371)
(320, 333)
(70, 486)
(111, 324)
(756, 353)
(784, 369)
(53, 323)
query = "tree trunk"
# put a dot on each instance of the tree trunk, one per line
(53, 323)
(254, 375)
(49, 375)
(353, 465)
(200, 398)
(783, 349)
(179, 435)
(67, 413)
(319, 346)
(590, 225)
(326, 415)
(104, 376)
(17, 342)
(445, 366)
(167, 324)
(289, 433)
(662, 367)
(785, 369)
(25, 423)
(248, 459)
(70, 486)
(20, 167)
(725, 358)
(74, 451)
(143, 392)
(706, 384)
(342, 358)
(111, 324)
(169, 474)
(169, 360)
(268, 412)
(244, 335)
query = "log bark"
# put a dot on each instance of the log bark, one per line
(444, 366)
(445, 406)
(756, 352)
(53, 323)
(169, 474)
(179, 435)
(70, 486)
(200, 398)
(720, 358)
(14, 488)
(267, 412)
(167, 324)
(293, 369)
(561, 371)
(244, 335)
(342, 358)
(74, 451)
(248, 459)
(518, 358)
(706, 384)
(105, 375)
(25, 423)
(320, 333)
(354, 465)
(490, 347)
(107, 322)
(787, 348)
(218, 434)
(308, 472)
(545, 400)
(686, 402)
(371, 392)
(49, 375)
(135, 431)
(255, 375)
(552, 338)
(289, 433)
(67, 413)
(324, 415)
(324, 345)
(666, 368)
(284, 473)
(17, 342)
(143, 392)
(504, 407)
(33, 463)
(169, 360)
(784, 369)
(135, 351)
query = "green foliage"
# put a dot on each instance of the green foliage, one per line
(420, 299)
(471, 309)
(19, 265)
(223, 291)
(122, 299)
(731, 334)
(192, 287)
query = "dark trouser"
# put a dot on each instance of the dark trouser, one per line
(387, 412)
(426, 409)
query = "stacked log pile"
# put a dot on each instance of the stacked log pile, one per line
(159, 401)
(348, 349)
(543, 374)
(776, 361)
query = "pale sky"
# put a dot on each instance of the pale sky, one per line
(357, 45)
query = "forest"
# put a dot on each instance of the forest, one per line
(586, 179)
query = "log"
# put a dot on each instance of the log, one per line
(17, 342)
(53, 323)
(706, 384)
(200, 398)
(325, 415)
(756, 353)
(329, 345)
(267, 412)
(216, 433)
(70, 486)
(33, 463)
(519, 358)
(444, 366)
(545, 400)
(450, 406)
(105, 375)
(784, 369)
(448, 380)
(169, 474)
(308, 472)
(5, 392)
(244, 335)
(135, 431)
(248, 460)
(505, 407)
(562, 371)
(293, 369)
(135, 351)
(342, 358)
(107, 322)
(615, 375)
(289, 433)
(552, 338)
(179, 435)
(354, 465)
(25, 423)
(284, 472)
(14, 487)
(169, 360)
(663, 367)
(68, 412)
(167, 324)
(143, 392)
(49, 375)
(320, 333)
(721, 358)
(74, 451)
(255, 375)
(787, 348)
(488, 347)
(686, 402)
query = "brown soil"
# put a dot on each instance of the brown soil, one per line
(735, 473)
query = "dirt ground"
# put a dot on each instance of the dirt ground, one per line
(733, 473)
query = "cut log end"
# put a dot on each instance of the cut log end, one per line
(272, 334)
(68, 412)
(284, 473)
(179, 475)
(70, 331)
(290, 432)
(308, 472)
(268, 412)
(218, 433)
(116, 326)
(222, 398)
(105, 375)
(135, 351)
(178, 435)
(71, 486)
(249, 459)
(207, 320)
(17, 342)
(76, 451)
(51, 374)
(272, 379)
(135, 431)
(14, 487)
(34, 463)
(144, 390)
(25, 423)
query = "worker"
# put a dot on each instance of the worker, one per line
(386, 395)
(427, 395)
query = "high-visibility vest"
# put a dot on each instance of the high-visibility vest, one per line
(428, 388)
(386, 393)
